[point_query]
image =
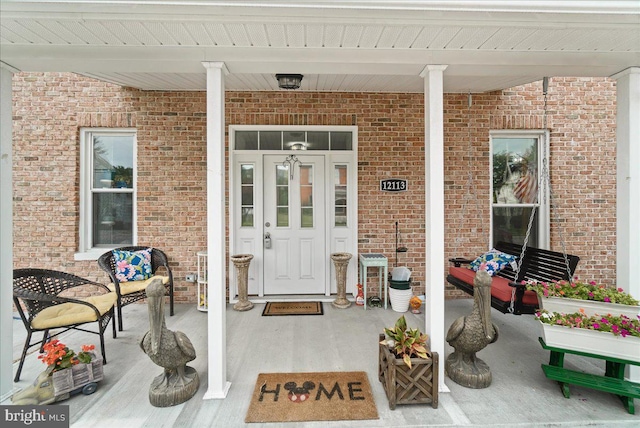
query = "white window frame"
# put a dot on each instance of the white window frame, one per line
(544, 225)
(85, 250)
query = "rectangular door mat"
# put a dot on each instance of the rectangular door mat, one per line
(326, 396)
(292, 308)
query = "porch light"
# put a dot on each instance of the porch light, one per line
(289, 81)
(297, 145)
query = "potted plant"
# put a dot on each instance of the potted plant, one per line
(66, 373)
(571, 296)
(407, 369)
(615, 336)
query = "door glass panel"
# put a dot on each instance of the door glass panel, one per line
(340, 191)
(317, 140)
(246, 197)
(282, 195)
(306, 196)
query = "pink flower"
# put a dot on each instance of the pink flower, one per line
(596, 326)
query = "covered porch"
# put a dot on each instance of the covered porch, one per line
(339, 340)
(384, 60)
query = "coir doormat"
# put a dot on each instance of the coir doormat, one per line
(326, 396)
(292, 308)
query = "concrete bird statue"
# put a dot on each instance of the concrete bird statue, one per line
(470, 334)
(171, 350)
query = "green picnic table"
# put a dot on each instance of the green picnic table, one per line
(613, 380)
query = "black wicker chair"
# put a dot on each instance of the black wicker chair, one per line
(36, 294)
(158, 259)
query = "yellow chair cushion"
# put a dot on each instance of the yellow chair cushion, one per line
(73, 313)
(133, 286)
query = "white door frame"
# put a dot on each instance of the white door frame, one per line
(250, 239)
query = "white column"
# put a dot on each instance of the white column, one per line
(6, 235)
(434, 211)
(628, 184)
(216, 273)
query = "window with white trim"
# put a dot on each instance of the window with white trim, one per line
(516, 166)
(107, 188)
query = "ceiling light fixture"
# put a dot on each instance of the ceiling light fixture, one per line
(289, 81)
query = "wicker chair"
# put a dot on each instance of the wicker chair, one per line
(36, 294)
(135, 290)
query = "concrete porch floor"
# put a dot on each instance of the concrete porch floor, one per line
(340, 340)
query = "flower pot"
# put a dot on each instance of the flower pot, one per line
(404, 385)
(400, 299)
(592, 342)
(566, 305)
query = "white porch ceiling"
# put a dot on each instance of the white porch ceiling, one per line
(361, 46)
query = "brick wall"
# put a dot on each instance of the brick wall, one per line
(50, 108)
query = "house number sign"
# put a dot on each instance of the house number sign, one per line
(393, 185)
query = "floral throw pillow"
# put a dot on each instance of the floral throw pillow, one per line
(132, 265)
(493, 261)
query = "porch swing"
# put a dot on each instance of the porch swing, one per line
(508, 294)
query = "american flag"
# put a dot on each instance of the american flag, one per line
(526, 189)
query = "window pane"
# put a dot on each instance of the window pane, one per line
(510, 225)
(306, 195)
(290, 137)
(282, 195)
(112, 219)
(246, 174)
(340, 194)
(247, 216)
(283, 216)
(515, 170)
(306, 217)
(317, 141)
(112, 161)
(270, 140)
(246, 140)
(247, 195)
(341, 141)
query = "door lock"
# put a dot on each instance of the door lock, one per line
(267, 240)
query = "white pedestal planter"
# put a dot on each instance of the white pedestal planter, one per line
(400, 299)
(592, 342)
(565, 305)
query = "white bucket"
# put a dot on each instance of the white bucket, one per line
(400, 299)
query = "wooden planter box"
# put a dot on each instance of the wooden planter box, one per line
(404, 385)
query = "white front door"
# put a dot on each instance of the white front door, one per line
(294, 224)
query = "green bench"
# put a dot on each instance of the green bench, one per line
(613, 381)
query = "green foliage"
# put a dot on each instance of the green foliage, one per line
(583, 291)
(618, 325)
(407, 343)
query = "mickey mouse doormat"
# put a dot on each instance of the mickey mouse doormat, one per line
(327, 396)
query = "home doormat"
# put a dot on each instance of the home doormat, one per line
(292, 308)
(325, 396)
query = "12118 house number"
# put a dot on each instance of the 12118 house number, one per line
(393, 185)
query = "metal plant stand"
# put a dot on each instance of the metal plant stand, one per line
(341, 261)
(242, 262)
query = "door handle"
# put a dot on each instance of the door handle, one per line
(267, 240)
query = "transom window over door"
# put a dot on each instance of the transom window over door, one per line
(516, 165)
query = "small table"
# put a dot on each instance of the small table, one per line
(613, 380)
(374, 260)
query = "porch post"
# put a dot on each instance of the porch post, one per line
(216, 271)
(434, 211)
(628, 184)
(6, 235)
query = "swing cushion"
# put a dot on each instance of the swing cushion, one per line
(493, 261)
(500, 288)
